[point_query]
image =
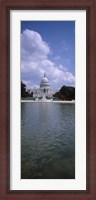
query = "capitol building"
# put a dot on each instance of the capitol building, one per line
(44, 91)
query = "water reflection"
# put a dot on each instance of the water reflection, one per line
(47, 141)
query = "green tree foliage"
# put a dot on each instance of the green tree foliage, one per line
(65, 93)
(24, 92)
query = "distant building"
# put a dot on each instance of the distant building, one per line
(44, 90)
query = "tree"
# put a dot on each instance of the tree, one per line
(24, 92)
(23, 89)
(65, 93)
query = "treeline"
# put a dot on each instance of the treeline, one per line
(24, 92)
(65, 93)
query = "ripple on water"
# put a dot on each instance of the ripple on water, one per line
(47, 141)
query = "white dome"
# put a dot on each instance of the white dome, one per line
(44, 82)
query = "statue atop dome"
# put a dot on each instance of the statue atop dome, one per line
(44, 74)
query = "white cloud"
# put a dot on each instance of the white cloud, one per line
(33, 47)
(65, 46)
(35, 61)
(57, 57)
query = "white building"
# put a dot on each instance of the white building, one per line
(44, 91)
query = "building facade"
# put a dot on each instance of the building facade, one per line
(44, 91)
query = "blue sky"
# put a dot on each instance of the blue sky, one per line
(48, 46)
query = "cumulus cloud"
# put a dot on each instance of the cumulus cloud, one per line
(35, 61)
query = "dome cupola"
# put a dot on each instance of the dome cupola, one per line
(44, 82)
